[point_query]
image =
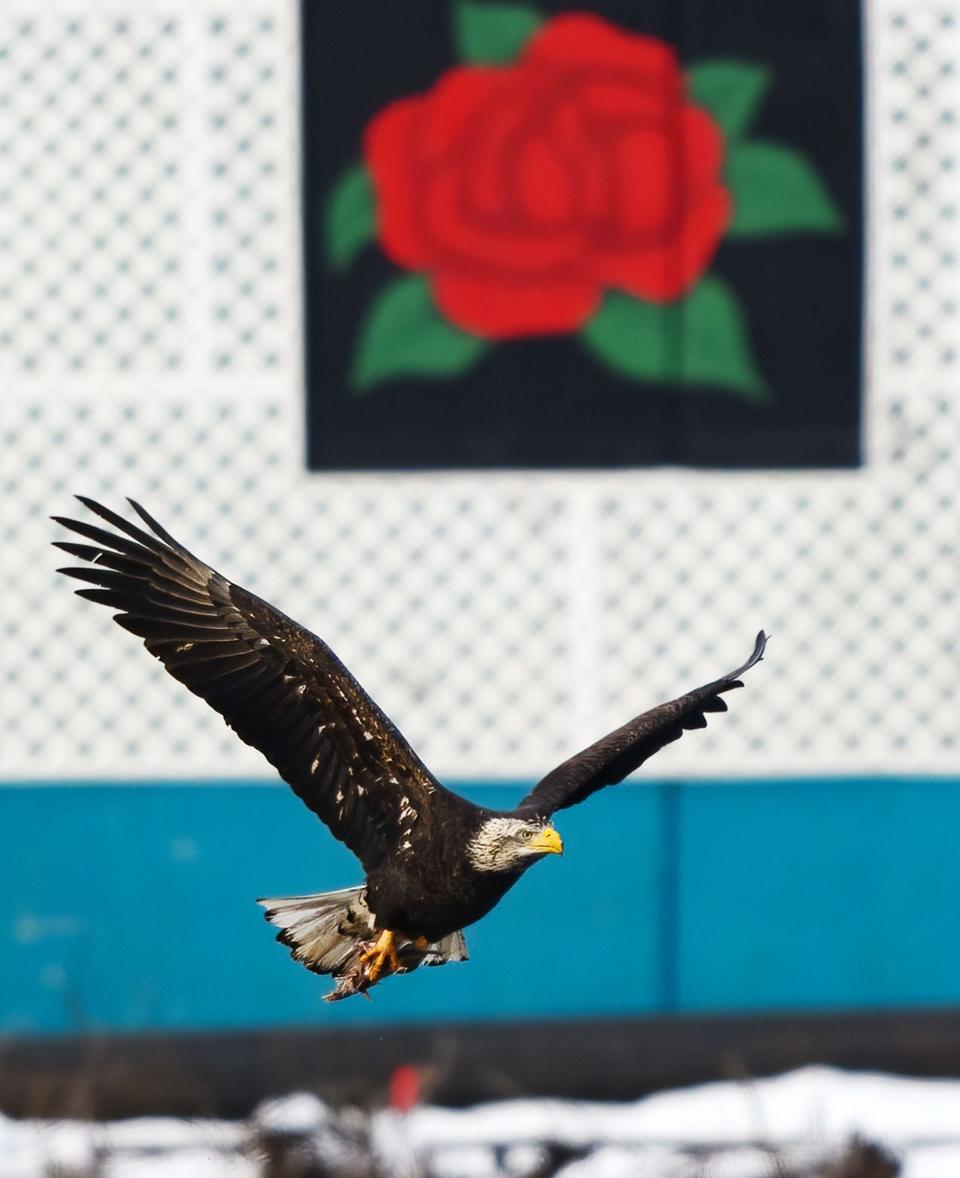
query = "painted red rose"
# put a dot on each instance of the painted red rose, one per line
(524, 191)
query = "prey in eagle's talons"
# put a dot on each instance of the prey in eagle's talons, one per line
(376, 960)
(355, 981)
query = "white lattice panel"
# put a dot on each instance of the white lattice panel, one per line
(916, 91)
(150, 345)
(91, 211)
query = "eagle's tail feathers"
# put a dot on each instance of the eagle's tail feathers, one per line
(322, 931)
(327, 932)
(452, 948)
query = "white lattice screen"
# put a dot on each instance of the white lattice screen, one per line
(150, 345)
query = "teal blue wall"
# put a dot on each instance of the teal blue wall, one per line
(131, 907)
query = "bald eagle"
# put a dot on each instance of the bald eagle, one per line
(434, 862)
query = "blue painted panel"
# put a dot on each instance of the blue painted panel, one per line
(822, 894)
(130, 908)
(127, 908)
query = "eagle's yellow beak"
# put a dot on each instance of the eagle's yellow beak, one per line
(548, 842)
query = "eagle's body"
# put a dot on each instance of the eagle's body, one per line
(434, 861)
(433, 891)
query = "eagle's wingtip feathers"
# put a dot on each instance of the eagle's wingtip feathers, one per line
(733, 680)
(141, 511)
(759, 650)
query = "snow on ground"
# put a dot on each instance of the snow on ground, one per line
(807, 1117)
(139, 1148)
(798, 1125)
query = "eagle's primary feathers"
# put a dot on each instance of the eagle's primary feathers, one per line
(434, 862)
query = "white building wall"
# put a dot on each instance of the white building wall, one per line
(150, 345)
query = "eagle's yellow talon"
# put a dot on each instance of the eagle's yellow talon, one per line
(384, 952)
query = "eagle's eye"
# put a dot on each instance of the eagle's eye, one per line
(526, 835)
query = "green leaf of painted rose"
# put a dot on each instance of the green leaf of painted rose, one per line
(702, 340)
(635, 338)
(731, 91)
(776, 190)
(350, 216)
(405, 335)
(716, 346)
(492, 34)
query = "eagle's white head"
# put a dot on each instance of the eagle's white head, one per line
(511, 844)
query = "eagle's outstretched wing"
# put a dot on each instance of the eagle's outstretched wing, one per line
(277, 685)
(616, 755)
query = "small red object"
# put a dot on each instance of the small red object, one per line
(404, 1088)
